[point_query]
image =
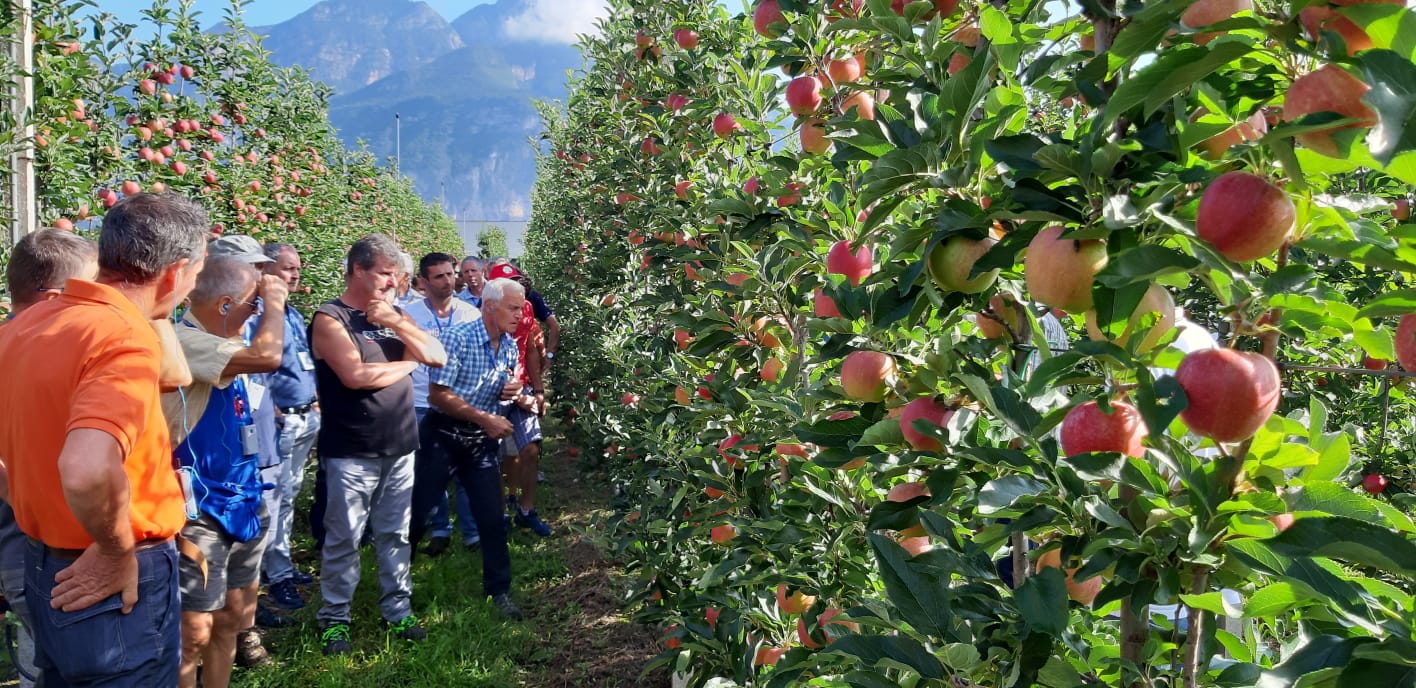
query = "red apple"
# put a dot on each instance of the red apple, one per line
(771, 370)
(767, 14)
(1086, 428)
(686, 38)
(1329, 89)
(1374, 483)
(768, 656)
(951, 261)
(866, 375)
(1401, 209)
(1244, 216)
(849, 69)
(179, 168)
(1002, 308)
(794, 603)
(723, 534)
(131, 187)
(147, 86)
(1060, 272)
(813, 136)
(1203, 13)
(1251, 129)
(824, 306)
(188, 72)
(862, 102)
(923, 408)
(650, 147)
(629, 399)
(724, 125)
(855, 266)
(848, 9)
(1371, 363)
(1084, 592)
(751, 186)
(1406, 342)
(804, 95)
(791, 197)
(1231, 393)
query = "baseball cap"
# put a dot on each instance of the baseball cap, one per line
(239, 246)
(503, 271)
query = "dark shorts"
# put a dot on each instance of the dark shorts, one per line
(525, 429)
(231, 565)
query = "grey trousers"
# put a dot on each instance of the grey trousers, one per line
(377, 492)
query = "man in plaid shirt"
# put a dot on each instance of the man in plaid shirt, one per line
(470, 398)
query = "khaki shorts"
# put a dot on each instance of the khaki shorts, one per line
(231, 565)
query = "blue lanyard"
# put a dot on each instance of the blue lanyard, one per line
(433, 312)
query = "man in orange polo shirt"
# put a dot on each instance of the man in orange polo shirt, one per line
(87, 459)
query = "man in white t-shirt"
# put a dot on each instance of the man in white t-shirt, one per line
(437, 312)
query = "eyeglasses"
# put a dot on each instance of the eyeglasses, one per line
(58, 289)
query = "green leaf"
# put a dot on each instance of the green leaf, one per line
(1392, 303)
(1144, 263)
(886, 433)
(1159, 401)
(1393, 95)
(996, 26)
(1319, 653)
(1042, 601)
(1174, 71)
(1273, 599)
(916, 591)
(1347, 539)
(896, 170)
(833, 433)
(871, 650)
(1001, 493)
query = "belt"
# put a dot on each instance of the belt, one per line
(297, 410)
(72, 554)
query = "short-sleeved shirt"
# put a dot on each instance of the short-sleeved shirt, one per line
(88, 359)
(421, 312)
(473, 371)
(538, 306)
(466, 295)
(364, 423)
(293, 383)
(207, 357)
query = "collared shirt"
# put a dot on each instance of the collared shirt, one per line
(473, 371)
(421, 311)
(466, 295)
(293, 383)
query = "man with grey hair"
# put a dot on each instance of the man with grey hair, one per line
(87, 456)
(405, 295)
(366, 350)
(212, 423)
(470, 396)
(473, 273)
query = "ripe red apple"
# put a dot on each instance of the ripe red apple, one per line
(1231, 393)
(848, 9)
(1244, 216)
(1282, 521)
(1156, 300)
(998, 308)
(1328, 89)
(813, 136)
(791, 197)
(148, 86)
(862, 102)
(681, 396)
(768, 656)
(64, 224)
(1371, 363)
(1084, 592)
(768, 12)
(952, 260)
(923, 408)
(629, 399)
(179, 167)
(1060, 272)
(1374, 483)
(751, 186)
(1251, 129)
(108, 196)
(849, 69)
(804, 95)
(1401, 209)
(724, 125)
(188, 72)
(686, 38)
(771, 370)
(855, 266)
(1086, 428)
(1203, 13)
(944, 7)
(723, 534)
(794, 603)
(650, 147)
(866, 375)
(131, 187)
(824, 306)
(1406, 342)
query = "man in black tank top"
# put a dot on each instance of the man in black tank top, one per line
(365, 350)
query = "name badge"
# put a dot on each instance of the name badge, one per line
(250, 441)
(307, 362)
(257, 393)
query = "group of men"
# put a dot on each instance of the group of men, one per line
(161, 400)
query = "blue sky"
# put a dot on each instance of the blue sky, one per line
(266, 12)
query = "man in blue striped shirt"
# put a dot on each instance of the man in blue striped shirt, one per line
(470, 397)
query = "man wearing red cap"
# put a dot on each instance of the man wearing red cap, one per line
(522, 449)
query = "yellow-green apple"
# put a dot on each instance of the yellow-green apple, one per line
(1231, 393)
(953, 259)
(813, 136)
(1244, 216)
(1060, 272)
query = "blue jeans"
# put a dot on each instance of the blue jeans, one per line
(440, 521)
(297, 437)
(100, 645)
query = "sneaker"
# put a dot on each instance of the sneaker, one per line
(335, 640)
(268, 618)
(249, 650)
(437, 545)
(540, 477)
(529, 519)
(407, 628)
(507, 607)
(301, 578)
(285, 596)
(473, 545)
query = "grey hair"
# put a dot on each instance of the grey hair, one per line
(472, 259)
(405, 263)
(366, 252)
(272, 250)
(493, 262)
(499, 288)
(145, 234)
(223, 276)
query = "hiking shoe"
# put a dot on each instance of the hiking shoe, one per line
(407, 628)
(268, 618)
(335, 639)
(437, 545)
(249, 650)
(529, 519)
(285, 596)
(301, 578)
(507, 607)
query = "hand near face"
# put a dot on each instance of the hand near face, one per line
(382, 314)
(273, 290)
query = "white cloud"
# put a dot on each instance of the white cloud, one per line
(556, 21)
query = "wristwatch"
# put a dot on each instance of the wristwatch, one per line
(550, 355)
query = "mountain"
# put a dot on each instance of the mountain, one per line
(462, 91)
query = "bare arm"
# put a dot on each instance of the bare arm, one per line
(174, 372)
(553, 334)
(268, 344)
(444, 400)
(331, 344)
(96, 490)
(420, 347)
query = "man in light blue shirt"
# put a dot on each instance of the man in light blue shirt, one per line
(437, 313)
(474, 274)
